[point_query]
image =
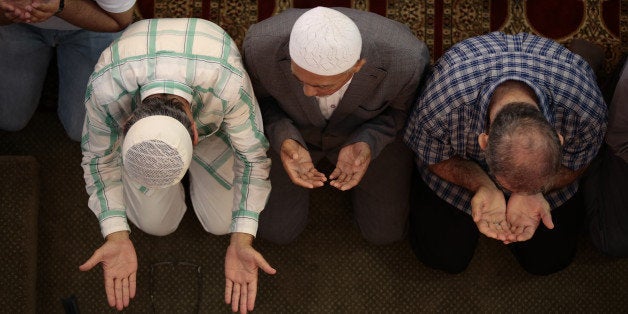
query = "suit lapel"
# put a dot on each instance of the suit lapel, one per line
(360, 89)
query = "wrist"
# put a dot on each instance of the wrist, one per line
(118, 235)
(239, 238)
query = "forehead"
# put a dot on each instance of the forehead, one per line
(314, 79)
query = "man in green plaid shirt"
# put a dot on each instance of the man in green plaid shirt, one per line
(192, 70)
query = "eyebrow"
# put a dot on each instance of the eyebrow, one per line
(318, 86)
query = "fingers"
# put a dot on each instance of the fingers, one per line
(132, 285)
(345, 181)
(235, 297)
(526, 234)
(228, 291)
(120, 291)
(310, 178)
(110, 291)
(251, 295)
(125, 292)
(117, 286)
(243, 299)
(499, 230)
(484, 228)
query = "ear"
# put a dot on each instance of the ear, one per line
(358, 65)
(561, 139)
(195, 139)
(483, 140)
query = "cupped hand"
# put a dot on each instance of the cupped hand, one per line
(241, 264)
(27, 11)
(43, 10)
(524, 213)
(488, 208)
(353, 160)
(119, 263)
(16, 11)
(298, 164)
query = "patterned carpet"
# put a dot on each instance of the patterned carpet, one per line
(440, 23)
(329, 269)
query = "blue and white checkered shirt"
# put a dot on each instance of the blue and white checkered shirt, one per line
(451, 113)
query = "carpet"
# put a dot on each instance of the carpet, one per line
(440, 23)
(19, 198)
(329, 269)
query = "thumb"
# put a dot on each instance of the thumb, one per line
(263, 264)
(91, 262)
(547, 220)
(475, 210)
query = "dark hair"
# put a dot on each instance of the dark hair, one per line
(523, 147)
(157, 105)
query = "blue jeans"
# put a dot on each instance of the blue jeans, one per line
(24, 58)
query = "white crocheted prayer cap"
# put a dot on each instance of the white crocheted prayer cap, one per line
(325, 42)
(157, 151)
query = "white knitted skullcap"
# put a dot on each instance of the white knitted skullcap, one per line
(325, 42)
(157, 151)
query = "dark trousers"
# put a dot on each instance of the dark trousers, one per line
(380, 202)
(605, 190)
(444, 237)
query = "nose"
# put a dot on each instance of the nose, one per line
(309, 90)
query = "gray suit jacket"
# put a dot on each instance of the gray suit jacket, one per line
(376, 104)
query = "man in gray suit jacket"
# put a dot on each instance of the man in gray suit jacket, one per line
(336, 84)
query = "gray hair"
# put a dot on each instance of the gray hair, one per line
(158, 105)
(523, 147)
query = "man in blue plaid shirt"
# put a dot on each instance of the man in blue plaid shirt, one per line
(504, 129)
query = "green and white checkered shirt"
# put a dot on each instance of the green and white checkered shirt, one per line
(194, 59)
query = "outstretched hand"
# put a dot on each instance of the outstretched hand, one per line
(488, 208)
(353, 160)
(524, 213)
(241, 264)
(298, 164)
(119, 263)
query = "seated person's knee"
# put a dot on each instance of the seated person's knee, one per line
(217, 230)
(382, 238)
(156, 228)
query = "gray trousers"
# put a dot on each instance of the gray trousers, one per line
(380, 202)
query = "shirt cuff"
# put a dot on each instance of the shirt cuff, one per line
(111, 224)
(244, 225)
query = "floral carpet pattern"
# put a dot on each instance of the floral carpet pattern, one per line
(440, 23)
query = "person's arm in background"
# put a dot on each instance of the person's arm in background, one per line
(14, 11)
(89, 15)
(101, 16)
(617, 135)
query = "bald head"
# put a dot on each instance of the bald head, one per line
(523, 150)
